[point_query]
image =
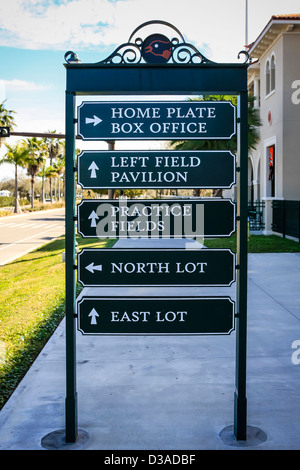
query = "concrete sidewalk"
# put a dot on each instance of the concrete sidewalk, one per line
(176, 392)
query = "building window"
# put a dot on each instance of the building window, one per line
(270, 74)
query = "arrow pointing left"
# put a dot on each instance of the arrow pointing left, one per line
(93, 314)
(91, 267)
(94, 120)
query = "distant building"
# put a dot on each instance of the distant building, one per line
(274, 167)
(4, 193)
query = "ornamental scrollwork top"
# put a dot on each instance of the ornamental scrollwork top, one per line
(166, 45)
(156, 48)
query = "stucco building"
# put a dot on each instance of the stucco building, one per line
(274, 167)
(274, 79)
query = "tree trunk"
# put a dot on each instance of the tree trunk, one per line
(32, 192)
(217, 193)
(111, 193)
(17, 209)
(43, 190)
(50, 185)
(58, 188)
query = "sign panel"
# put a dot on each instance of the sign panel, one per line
(151, 218)
(156, 267)
(156, 169)
(158, 120)
(155, 315)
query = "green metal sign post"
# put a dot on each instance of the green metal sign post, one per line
(71, 390)
(240, 411)
(135, 69)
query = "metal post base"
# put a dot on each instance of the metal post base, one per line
(254, 437)
(56, 440)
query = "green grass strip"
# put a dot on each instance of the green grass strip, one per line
(257, 244)
(32, 294)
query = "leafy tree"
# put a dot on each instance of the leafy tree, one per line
(16, 155)
(59, 167)
(42, 174)
(253, 134)
(36, 152)
(254, 122)
(55, 149)
(6, 119)
(50, 173)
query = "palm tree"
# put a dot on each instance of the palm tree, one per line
(42, 174)
(6, 118)
(253, 134)
(50, 173)
(254, 122)
(59, 167)
(17, 155)
(55, 149)
(36, 152)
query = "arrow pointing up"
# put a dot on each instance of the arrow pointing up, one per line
(94, 120)
(91, 267)
(93, 167)
(93, 216)
(93, 314)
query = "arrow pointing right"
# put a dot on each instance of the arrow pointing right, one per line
(94, 120)
(93, 314)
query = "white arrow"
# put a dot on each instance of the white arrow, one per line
(94, 120)
(91, 267)
(93, 167)
(93, 313)
(93, 216)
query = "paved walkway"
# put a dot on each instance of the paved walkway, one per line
(20, 234)
(173, 392)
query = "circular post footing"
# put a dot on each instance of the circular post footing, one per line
(254, 437)
(56, 440)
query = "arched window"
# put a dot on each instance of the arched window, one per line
(268, 74)
(272, 73)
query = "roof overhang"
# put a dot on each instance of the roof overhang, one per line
(270, 33)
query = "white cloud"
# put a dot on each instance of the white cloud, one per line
(217, 26)
(44, 24)
(22, 85)
(83, 24)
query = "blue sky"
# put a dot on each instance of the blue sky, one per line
(35, 34)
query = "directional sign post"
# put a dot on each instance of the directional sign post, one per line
(159, 267)
(144, 218)
(160, 169)
(155, 315)
(142, 67)
(156, 120)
